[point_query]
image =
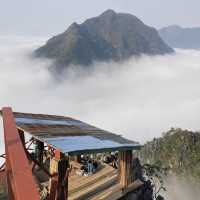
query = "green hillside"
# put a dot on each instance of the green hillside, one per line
(178, 150)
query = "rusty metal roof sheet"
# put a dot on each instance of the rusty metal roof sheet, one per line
(71, 135)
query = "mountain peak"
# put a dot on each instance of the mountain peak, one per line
(74, 25)
(181, 37)
(172, 27)
(110, 36)
(109, 13)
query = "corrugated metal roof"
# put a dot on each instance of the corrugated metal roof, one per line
(71, 135)
(85, 144)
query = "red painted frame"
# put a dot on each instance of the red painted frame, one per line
(20, 181)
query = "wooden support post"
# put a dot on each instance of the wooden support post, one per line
(78, 158)
(53, 182)
(22, 137)
(53, 188)
(59, 165)
(63, 173)
(125, 168)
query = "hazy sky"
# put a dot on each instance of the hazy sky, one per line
(48, 17)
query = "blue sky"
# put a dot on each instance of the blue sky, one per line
(49, 17)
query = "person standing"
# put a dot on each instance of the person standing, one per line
(39, 149)
(90, 167)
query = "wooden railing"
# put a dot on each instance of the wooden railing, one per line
(20, 181)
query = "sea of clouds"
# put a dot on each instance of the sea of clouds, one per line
(139, 98)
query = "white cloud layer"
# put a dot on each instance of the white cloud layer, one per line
(179, 188)
(139, 99)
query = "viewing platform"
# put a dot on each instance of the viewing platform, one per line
(55, 169)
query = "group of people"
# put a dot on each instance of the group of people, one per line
(111, 159)
(88, 166)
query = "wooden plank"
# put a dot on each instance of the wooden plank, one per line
(95, 188)
(81, 184)
(112, 193)
(78, 182)
(133, 186)
(116, 191)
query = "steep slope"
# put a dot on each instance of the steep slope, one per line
(178, 150)
(178, 37)
(110, 36)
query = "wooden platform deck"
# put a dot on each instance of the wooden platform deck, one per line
(85, 187)
(103, 185)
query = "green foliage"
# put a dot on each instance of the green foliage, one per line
(155, 174)
(178, 151)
